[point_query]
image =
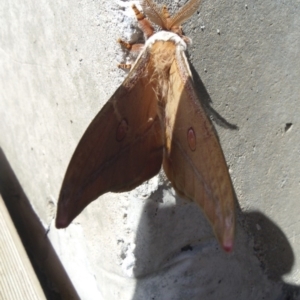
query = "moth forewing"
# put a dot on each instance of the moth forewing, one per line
(121, 148)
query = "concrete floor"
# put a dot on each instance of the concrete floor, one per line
(59, 66)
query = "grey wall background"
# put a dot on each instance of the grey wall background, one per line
(58, 67)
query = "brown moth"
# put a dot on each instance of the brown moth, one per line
(154, 118)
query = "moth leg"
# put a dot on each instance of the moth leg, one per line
(133, 48)
(144, 24)
(124, 44)
(124, 66)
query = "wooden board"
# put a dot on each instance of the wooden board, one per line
(17, 277)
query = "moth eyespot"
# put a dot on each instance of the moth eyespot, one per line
(191, 138)
(122, 130)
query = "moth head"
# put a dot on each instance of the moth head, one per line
(161, 16)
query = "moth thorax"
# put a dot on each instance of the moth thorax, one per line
(163, 56)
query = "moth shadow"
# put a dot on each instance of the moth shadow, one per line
(52, 275)
(206, 102)
(178, 257)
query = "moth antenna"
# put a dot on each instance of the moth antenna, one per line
(143, 22)
(152, 12)
(184, 13)
(176, 29)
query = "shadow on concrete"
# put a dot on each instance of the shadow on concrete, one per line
(53, 278)
(273, 250)
(178, 255)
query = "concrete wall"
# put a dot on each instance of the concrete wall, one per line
(58, 67)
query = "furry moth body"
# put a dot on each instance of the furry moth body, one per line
(154, 118)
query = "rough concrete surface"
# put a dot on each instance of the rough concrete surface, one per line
(58, 67)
